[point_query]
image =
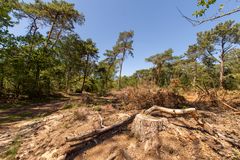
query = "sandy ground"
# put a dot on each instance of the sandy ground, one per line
(45, 138)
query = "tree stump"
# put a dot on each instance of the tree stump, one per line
(146, 128)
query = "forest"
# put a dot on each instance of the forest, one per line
(60, 98)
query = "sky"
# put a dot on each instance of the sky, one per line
(157, 25)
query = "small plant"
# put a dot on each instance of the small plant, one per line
(183, 107)
(80, 115)
(97, 108)
(11, 153)
(69, 106)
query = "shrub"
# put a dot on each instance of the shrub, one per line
(80, 115)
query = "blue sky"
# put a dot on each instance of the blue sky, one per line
(157, 25)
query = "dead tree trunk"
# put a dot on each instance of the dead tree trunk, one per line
(146, 127)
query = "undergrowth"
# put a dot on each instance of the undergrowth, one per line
(11, 152)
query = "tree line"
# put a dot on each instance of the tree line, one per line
(41, 64)
(214, 62)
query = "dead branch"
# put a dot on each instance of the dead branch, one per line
(101, 121)
(192, 111)
(98, 132)
(237, 113)
(170, 111)
(228, 106)
(233, 142)
(215, 98)
(198, 22)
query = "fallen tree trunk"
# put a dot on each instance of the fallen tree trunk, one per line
(97, 132)
(92, 138)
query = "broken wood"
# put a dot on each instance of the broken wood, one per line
(170, 111)
(228, 106)
(215, 98)
(101, 121)
(237, 113)
(232, 141)
(98, 132)
(158, 110)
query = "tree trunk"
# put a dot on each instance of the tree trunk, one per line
(37, 79)
(57, 38)
(1, 86)
(85, 74)
(67, 80)
(108, 72)
(146, 129)
(221, 73)
(221, 76)
(120, 73)
(195, 74)
(51, 30)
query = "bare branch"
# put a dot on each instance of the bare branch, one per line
(213, 56)
(198, 22)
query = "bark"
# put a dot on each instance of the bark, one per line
(57, 38)
(195, 73)
(51, 30)
(221, 76)
(120, 73)
(85, 73)
(171, 111)
(108, 72)
(37, 78)
(1, 86)
(94, 134)
(67, 80)
(221, 73)
(145, 127)
(156, 110)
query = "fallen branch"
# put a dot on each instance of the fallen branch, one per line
(192, 111)
(237, 113)
(171, 111)
(101, 121)
(233, 142)
(98, 132)
(228, 106)
(216, 99)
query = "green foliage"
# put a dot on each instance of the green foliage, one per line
(163, 69)
(13, 149)
(218, 42)
(69, 105)
(124, 47)
(213, 58)
(205, 4)
(38, 65)
(97, 108)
